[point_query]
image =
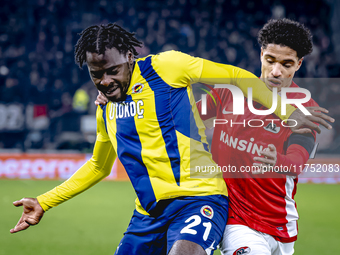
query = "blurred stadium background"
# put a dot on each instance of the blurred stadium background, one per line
(47, 121)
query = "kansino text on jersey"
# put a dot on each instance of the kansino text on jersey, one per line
(255, 123)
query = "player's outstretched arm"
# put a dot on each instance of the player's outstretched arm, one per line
(94, 170)
(31, 216)
(306, 123)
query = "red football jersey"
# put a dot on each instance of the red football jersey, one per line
(264, 204)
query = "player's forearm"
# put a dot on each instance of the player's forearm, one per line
(83, 179)
(214, 73)
(93, 171)
(294, 159)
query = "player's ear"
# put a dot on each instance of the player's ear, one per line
(261, 55)
(130, 57)
(299, 64)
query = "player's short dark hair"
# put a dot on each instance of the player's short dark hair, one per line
(99, 38)
(286, 32)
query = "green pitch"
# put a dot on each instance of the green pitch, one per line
(94, 222)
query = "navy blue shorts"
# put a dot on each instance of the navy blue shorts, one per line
(197, 219)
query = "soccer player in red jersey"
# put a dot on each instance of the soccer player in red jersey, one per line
(262, 214)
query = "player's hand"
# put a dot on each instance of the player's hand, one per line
(101, 99)
(269, 159)
(31, 216)
(305, 123)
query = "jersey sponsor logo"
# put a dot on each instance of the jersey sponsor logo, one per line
(271, 127)
(137, 88)
(226, 112)
(242, 250)
(127, 110)
(207, 211)
(241, 145)
(280, 228)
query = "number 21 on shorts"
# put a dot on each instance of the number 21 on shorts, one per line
(196, 220)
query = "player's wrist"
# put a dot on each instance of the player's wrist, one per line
(40, 202)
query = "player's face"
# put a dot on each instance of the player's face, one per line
(111, 72)
(279, 64)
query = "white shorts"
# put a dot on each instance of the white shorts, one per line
(240, 239)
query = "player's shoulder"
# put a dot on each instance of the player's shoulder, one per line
(164, 59)
(310, 103)
(171, 58)
(174, 67)
(171, 55)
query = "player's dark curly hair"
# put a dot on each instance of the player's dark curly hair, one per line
(286, 32)
(98, 38)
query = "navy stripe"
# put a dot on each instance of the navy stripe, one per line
(129, 150)
(164, 115)
(206, 147)
(183, 115)
(104, 115)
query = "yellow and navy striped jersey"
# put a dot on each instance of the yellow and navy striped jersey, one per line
(157, 133)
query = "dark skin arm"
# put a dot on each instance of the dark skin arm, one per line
(305, 123)
(31, 216)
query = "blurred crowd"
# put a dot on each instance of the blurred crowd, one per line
(51, 94)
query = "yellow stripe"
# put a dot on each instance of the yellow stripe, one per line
(154, 152)
(112, 124)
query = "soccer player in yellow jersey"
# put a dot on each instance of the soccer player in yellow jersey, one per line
(152, 125)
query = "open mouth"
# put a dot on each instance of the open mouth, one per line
(111, 91)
